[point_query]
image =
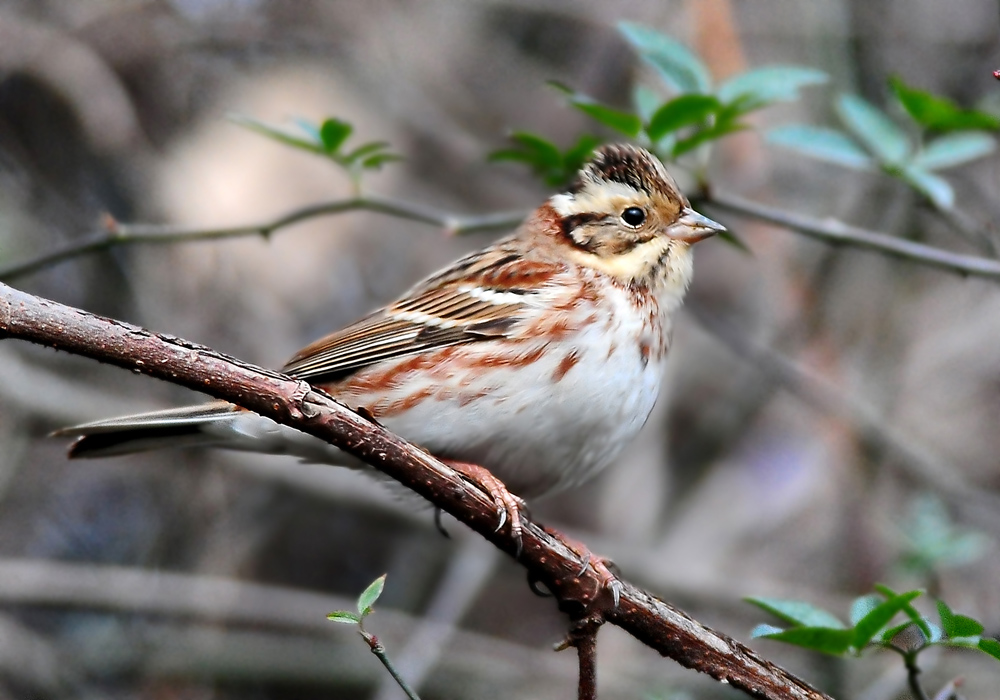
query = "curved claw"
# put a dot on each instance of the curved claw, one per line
(507, 504)
(604, 568)
(502, 515)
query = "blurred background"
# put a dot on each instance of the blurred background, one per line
(830, 418)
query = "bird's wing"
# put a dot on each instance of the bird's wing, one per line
(482, 296)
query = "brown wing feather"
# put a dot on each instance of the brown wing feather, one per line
(447, 309)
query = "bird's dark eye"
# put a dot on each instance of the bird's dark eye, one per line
(634, 216)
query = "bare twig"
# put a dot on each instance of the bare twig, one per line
(116, 234)
(827, 230)
(583, 636)
(378, 649)
(839, 233)
(292, 402)
(913, 675)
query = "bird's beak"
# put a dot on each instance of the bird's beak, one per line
(692, 227)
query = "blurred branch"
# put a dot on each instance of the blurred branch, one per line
(827, 230)
(295, 403)
(913, 459)
(229, 628)
(837, 232)
(117, 234)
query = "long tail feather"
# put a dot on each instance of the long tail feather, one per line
(191, 426)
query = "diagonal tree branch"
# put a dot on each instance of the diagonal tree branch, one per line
(838, 233)
(295, 403)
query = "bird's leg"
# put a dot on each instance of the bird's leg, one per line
(507, 504)
(601, 565)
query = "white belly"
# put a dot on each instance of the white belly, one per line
(551, 423)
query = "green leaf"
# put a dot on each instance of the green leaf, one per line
(333, 133)
(763, 86)
(934, 539)
(879, 616)
(763, 630)
(957, 625)
(939, 113)
(365, 149)
(931, 186)
(276, 134)
(822, 144)
(536, 151)
(990, 646)
(797, 612)
(883, 138)
(367, 599)
(546, 160)
(679, 68)
(965, 626)
(712, 133)
(864, 605)
(343, 616)
(954, 149)
(680, 112)
(579, 153)
(824, 639)
(379, 159)
(624, 122)
(911, 612)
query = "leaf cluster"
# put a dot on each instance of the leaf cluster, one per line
(695, 113)
(873, 622)
(365, 604)
(936, 134)
(328, 139)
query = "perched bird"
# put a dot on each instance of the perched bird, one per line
(528, 365)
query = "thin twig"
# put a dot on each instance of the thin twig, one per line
(912, 675)
(294, 403)
(379, 650)
(827, 230)
(583, 636)
(116, 234)
(837, 232)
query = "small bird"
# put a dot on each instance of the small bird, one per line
(527, 366)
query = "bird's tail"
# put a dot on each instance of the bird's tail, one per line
(191, 426)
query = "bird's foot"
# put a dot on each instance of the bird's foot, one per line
(604, 568)
(507, 504)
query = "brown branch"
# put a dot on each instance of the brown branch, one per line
(117, 234)
(583, 636)
(838, 233)
(295, 403)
